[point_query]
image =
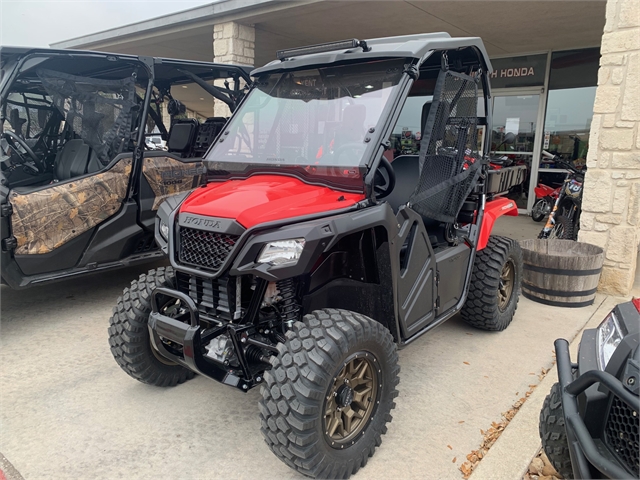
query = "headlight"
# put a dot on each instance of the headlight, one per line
(609, 337)
(164, 230)
(282, 252)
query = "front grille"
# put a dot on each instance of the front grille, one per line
(621, 433)
(205, 249)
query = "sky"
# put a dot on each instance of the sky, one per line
(38, 23)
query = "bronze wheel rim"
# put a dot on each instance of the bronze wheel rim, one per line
(351, 399)
(505, 286)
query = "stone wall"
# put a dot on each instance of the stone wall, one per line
(232, 43)
(611, 202)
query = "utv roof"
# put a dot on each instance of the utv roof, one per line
(406, 46)
(10, 54)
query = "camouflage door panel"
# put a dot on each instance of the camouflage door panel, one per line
(168, 176)
(46, 219)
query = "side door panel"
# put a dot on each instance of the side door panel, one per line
(415, 283)
(45, 220)
(165, 174)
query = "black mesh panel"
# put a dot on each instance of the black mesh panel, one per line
(205, 249)
(449, 158)
(99, 111)
(28, 115)
(621, 433)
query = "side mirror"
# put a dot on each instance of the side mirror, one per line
(509, 138)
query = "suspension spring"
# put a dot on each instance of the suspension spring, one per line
(290, 308)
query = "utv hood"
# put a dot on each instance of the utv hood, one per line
(265, 198)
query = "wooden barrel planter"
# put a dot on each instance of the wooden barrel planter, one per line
(562, 273)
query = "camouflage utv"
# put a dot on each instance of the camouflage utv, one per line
(90, 145)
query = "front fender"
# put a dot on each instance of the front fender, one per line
(492, 210)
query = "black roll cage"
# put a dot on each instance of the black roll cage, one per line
(148, 64)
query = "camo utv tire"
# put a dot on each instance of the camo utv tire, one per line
(553, 434)
(328, 398)
(495, 285)
(129, 336)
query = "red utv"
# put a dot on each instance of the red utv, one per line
(316, 248)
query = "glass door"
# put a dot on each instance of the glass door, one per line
(517, 111)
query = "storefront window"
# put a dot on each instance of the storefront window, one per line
(572, 91)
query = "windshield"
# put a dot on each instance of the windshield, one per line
(310, 121)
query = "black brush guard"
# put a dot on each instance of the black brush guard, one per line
(193, 338)
(582, 447)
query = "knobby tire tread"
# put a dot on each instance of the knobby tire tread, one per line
(481, 307)
(129, 337)
(294, 392)
(553, 434)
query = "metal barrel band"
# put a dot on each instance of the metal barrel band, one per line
(558, 293)
(554, 303)
(562, 271)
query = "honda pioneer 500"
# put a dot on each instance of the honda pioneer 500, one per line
(316, 249)
(80, 175)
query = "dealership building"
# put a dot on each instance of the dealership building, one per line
(565, 80)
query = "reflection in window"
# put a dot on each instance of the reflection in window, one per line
(572, 92)
(567, 124)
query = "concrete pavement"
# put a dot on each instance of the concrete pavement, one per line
(68, 411)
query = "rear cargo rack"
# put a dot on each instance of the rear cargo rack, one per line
(501, 180)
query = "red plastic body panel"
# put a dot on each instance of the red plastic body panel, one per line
(542, 191)
(265, 198)
(492, 210)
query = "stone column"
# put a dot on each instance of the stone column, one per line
(232, 43)
(611, 202)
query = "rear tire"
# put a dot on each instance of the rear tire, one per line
(129, 336)
(328, 397)
(553, 433)
(495, 285)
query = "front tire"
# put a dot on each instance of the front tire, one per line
(495, 285)
(540, 209)
(326, 401)
(563, 229)
(129, 336)
(553, 433)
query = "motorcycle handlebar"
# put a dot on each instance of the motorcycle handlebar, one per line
(560, 161)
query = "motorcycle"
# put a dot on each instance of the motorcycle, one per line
(546, 197)
(564, 219)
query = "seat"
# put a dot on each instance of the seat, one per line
(75, 159)
(182, 136)
(17, 122)
(406, 168)
(352, 125)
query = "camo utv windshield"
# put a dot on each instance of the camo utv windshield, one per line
(313, 121)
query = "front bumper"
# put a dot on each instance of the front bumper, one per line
(193, 337)
(587, 453)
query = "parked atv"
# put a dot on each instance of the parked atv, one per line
(82, 170)
(589, 422)
(309, 257)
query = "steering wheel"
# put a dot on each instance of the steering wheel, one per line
(14, 141)
(339, 151)
(384, 179)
